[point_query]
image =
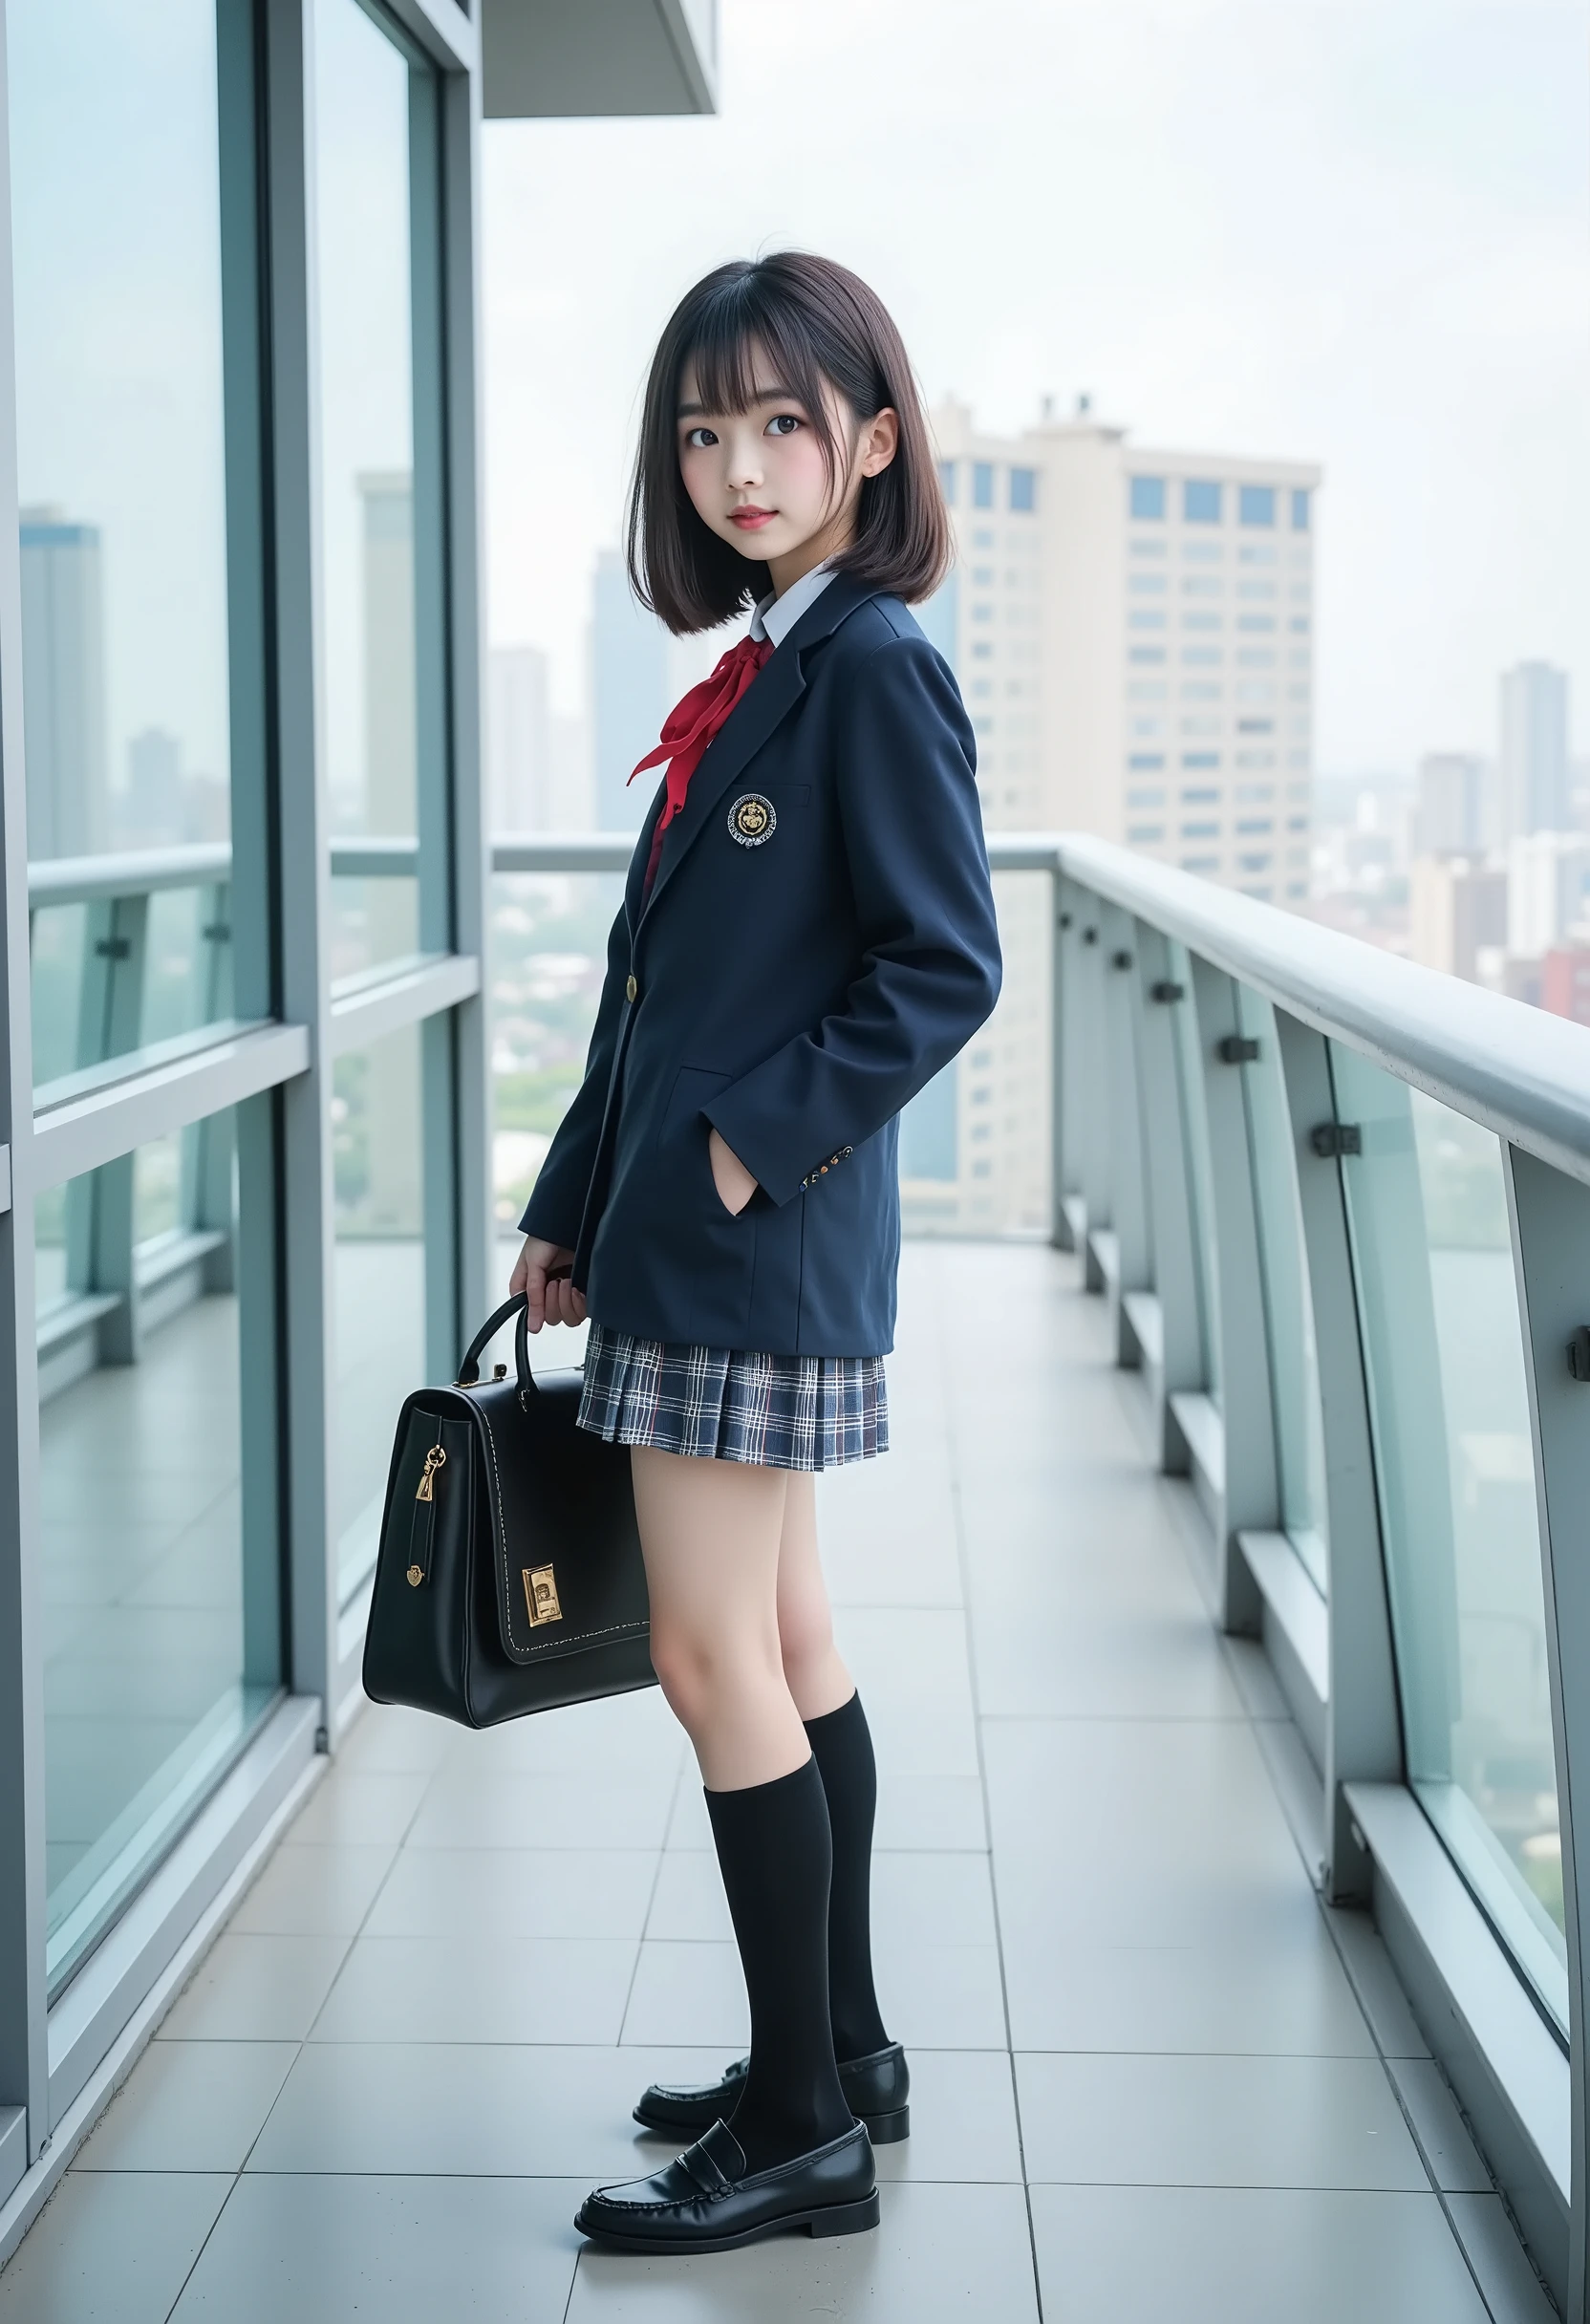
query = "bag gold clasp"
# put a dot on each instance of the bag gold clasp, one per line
(425, 1491)
(540, 1594)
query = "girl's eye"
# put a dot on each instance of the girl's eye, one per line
(699, 440)
(783, 423)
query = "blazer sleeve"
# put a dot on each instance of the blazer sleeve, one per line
(557, 1198)
(912, 828)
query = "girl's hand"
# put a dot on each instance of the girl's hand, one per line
(734, 1182)
(541, 1273)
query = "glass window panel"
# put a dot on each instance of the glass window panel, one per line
(160, 1573)
(1444, 1347)
(365, 92)
(379, 1287)
(115, 162)
(1288, 1304)
(1200, 1172)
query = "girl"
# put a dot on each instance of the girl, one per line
(807, 936)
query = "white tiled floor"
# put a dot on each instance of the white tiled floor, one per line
(1143, 2088)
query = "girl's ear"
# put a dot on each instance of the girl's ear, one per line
(880, 441)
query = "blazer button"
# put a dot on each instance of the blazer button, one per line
(632, 990)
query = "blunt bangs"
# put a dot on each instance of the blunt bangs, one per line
(806, 325)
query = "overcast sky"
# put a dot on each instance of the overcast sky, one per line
(1347, 232)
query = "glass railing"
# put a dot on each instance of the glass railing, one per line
(1308, 1179)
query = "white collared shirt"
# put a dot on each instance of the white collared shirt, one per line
(776, 616)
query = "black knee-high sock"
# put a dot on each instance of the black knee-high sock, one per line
(842, 1746)
(776, 1856)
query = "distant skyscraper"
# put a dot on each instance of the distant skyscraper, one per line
(394, 1091)
(152, 811)
(1449, 813)
(1534, 749)
(630, 697)
(391, 757)
(63, 684)
(518, 735)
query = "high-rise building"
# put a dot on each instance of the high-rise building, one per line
(539, 762)
(63, 684)
(1448, 819)
(629, 691)
(391, 739)
(518, 739)
(391, 1086)
(1548, 889)
(152, 806)
(1458, 907)
(1535, 785)
(1133, 633)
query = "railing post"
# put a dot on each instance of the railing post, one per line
(1250, 1494)
(1128, 1198)
(1060, 1044)
(1549, 1217)
(1168, 1181)
(1362, 1730)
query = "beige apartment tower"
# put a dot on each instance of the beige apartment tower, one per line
(1133, 633)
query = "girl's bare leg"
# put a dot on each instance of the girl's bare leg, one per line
(710, 1530)
(817, 1678)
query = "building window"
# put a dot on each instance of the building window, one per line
(982, 485)
(1200, 795)
(1200, 863)
(1200, 830)
(1146, 654)
(1146, 497)
(1202, 585)
(1146, 547)
(1256, 725)
(1145, 835)
(1254, 793)
(1023, 490)
(1209, 657)
(1200, 757)
(982, 538)
(982, 612)
(1255, 504)
(1145, 618)
(1203, 553)
(1147, 585)
(1200, 502)
(1299, 511)
(1144, 760)
(1147, 795)
(1201, 690)
(947, 480)
(1255, 621)
(1255, 863)
(1255, 827)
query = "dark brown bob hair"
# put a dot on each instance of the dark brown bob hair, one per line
(817, 325)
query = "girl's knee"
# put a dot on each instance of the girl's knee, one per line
(703, 1679)
(806, 1645)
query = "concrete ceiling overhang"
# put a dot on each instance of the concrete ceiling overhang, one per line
(544, 59)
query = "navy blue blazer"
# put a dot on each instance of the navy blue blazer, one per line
(819, 940)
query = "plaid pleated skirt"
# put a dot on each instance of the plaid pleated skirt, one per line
(733, 1404)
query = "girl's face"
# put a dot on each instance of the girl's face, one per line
(757, 477)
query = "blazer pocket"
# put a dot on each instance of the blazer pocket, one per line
(681, 1114)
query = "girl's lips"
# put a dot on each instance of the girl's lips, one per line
(751, 520)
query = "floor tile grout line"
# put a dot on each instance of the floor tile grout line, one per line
(962, 1563)
(1251, 1721)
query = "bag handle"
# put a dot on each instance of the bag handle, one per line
(469, 1370)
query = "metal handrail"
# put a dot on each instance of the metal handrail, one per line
(1519, 1071)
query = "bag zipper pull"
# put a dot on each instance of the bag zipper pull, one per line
(434, 1458)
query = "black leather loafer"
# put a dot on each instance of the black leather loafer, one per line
(707, 2200)
(875, 2088)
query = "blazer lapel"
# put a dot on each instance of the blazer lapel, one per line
(760, 710)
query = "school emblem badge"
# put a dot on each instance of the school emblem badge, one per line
(752, 819)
